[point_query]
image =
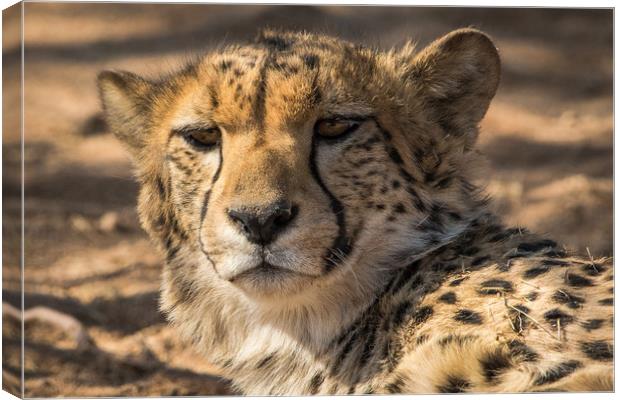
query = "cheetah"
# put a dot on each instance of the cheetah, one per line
(324, 232)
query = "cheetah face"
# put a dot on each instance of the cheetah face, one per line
(282, 193)
(283, 165)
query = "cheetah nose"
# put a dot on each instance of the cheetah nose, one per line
(261, 225)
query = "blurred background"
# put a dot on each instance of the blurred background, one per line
(91, 276)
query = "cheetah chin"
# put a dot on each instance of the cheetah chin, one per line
(324, 232)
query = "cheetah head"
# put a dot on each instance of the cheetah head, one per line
(279, 167)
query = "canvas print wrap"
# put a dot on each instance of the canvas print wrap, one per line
(301, 200)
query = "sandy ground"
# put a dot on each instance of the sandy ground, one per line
(547, 136)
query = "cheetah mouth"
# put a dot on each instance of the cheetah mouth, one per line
(267, 272)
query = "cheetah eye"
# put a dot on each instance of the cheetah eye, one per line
(332, 128)
(201, 138)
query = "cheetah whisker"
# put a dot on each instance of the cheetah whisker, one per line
(422, 220)
(340, 256)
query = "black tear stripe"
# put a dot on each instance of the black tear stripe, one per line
(342, 244)
(205, 206)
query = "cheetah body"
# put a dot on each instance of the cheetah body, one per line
(391, 275)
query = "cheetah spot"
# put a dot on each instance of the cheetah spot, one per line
(592, 324)
(448, 298)
(468, 317)
(555, 315)
(570, 300)
(577, 280)
(598, 350)
(454, 384)
(557, 372)
(536, 246)
(493, 364)
(520, 350)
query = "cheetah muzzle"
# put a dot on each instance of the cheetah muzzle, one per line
(317, 205)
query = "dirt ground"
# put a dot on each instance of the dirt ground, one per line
(548, 138)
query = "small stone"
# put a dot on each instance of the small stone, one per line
(80, 224)
(109, 222)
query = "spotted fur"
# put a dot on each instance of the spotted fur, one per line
(378, 267)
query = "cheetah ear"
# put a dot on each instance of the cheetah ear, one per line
(124, 97)
(457, 76)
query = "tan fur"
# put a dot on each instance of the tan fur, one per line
(392, 276)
